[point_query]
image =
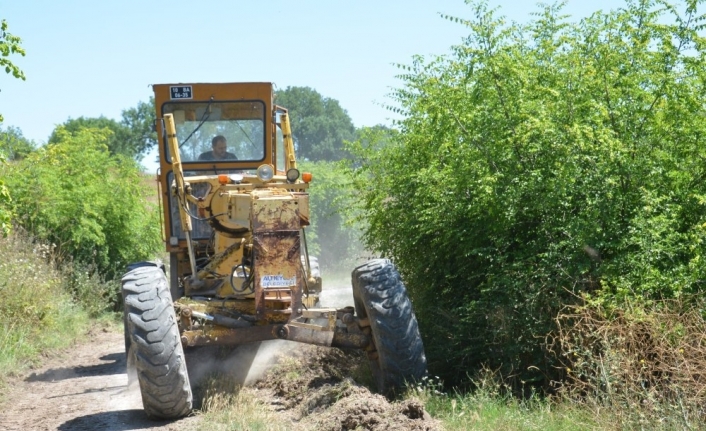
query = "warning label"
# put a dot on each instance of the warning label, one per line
(277, 281)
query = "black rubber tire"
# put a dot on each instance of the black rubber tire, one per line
(126, 333)
(381, 297)
(156, 344)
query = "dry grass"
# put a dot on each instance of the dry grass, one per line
(227, 406)
(36, 312)
(647, 366)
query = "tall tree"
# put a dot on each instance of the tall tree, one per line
(140, 121)
(13, 144)
(133, 136)
(319, 124)
(117, 138)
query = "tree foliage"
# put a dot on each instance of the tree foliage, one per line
(537, 164)
(14, 145)
(91, 205)
(73, 126)
(133, 136)
(5, 205)
(9, 45)
(140, 122)
(319, 124)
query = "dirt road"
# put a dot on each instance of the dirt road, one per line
(85, 389)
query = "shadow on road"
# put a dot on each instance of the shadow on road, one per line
(115, 364)
(120, 420)
(108, 389)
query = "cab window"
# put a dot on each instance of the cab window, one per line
(218, 131)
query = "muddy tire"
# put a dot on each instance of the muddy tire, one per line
(155, 345)
(381, 298)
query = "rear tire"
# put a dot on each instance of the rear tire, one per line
(381, 297)
(155, 343)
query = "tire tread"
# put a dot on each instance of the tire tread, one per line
(155, 342)
(380, 295)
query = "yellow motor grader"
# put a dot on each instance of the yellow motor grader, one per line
(235, 208)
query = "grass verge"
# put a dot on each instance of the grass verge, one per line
(489, 409)
(37, 313)
(484, 411)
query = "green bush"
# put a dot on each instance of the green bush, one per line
(5, 209)
(92, 206)
(537, 165)
(89, 289)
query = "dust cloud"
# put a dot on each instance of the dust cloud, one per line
(246, 364)
(336, 292)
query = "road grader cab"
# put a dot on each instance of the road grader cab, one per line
(235, 208)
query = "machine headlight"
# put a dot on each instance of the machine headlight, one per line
(265, 172)
(292, 175)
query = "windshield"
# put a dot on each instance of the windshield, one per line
(219, 131)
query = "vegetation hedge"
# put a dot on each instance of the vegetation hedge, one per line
(91, 206)
(540, 165)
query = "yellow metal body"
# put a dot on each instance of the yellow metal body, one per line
(179, 179)
(290, 160)
(261, 92)
(246, 263)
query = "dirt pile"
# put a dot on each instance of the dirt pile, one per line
(323, 389)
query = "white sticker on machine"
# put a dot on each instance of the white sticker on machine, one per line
(277, 281)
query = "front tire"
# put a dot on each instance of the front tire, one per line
(155, 343)
(380, 297)
(126, 333)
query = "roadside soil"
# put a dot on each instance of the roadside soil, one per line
(305, 387)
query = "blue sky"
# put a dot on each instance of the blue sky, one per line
(98, 57)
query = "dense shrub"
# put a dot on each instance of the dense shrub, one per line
(92, 206)
(5, 207)
(538, 164)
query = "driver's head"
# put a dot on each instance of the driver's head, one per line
(219, 145)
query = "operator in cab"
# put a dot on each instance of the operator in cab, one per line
(219, 150)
